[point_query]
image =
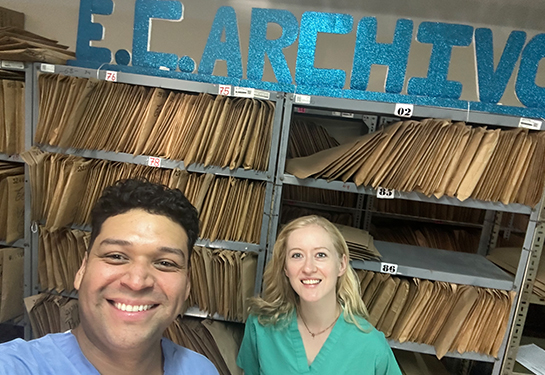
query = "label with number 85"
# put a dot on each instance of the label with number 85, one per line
(388, 268)
(383, 193)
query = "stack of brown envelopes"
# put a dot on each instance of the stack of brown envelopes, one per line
(222, 281)
(307, 138)
(321, 196)
(438, 212)
(438, 157)
(508, 259)
(51, 313)
(229, 209)
(464, 240)
(218, 341)
(20, 45)
(12, 201)
(360, 243)
(12, 116)
(60, 254)
(11, 283)
(195, 128)
(450, 317)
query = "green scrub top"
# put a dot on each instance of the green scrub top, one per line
(268, 350)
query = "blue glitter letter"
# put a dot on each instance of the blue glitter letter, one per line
(144, 11)
(443, 36)
(530, 94)
(89, 31)
(226, 19)
(368, 52)
(492, 84)
(260, 45)
(313, 23)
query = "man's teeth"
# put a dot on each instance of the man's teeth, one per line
(131, 308)
(310, 282)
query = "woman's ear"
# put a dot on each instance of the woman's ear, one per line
(343, 265)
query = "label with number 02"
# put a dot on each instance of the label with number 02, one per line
(404, 110)
(154, 162)
(388, 268)
(383, 193)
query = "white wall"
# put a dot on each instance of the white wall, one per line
(58, 19)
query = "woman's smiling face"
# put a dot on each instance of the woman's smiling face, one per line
(312, 264)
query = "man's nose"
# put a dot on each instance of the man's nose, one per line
(138, 276)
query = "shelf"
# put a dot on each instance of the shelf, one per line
(439, 265)
(195, 312)
(19, 243)
(536, 300)
(165, 163)
(425, 219)
(473, 116)
(229, 245)
(151, 81)
(13, 158)
(428, 349)
(412, 196)
(321, 206)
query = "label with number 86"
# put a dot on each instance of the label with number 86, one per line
(388, 268)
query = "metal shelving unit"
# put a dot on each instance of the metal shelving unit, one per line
(186, 86)
(26, 241)
(413, 261)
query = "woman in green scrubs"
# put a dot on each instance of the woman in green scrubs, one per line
(311, 319)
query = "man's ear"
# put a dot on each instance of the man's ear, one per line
(81, 271)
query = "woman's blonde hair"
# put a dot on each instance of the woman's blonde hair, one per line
(279, 299)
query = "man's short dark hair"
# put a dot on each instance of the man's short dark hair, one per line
(157, 199)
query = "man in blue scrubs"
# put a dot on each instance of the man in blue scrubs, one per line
(132, 284)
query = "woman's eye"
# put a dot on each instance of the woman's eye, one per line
(321, 255)
(296, 255)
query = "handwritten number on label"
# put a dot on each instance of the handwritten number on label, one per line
(154, 162)
(111, 76)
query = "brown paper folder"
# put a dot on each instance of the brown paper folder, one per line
(11, 299)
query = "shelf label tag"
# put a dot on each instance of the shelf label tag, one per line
(111, 76)
(301, 109)
(13, 65)
(383, 193)
(404, 110)
(47, 68)
(347, 115)
(302, 99)
(334, 113)
(154, 162)
(260, 94)
(244, 92)
(388, 268)
(224, 90)
(529, 123)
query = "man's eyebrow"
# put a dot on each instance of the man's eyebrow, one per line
(172, 250)
(113, 241)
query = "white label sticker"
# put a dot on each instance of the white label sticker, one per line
(388, 268)
(13, 65)
(154, 162)
(347, 115)
(260, 94)
(383, 193)
(111, 76)
(336, 113)
(224, 90)
(47, 68)
(302, 99)
(404, 110)
(529, 123)
(244, 92)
